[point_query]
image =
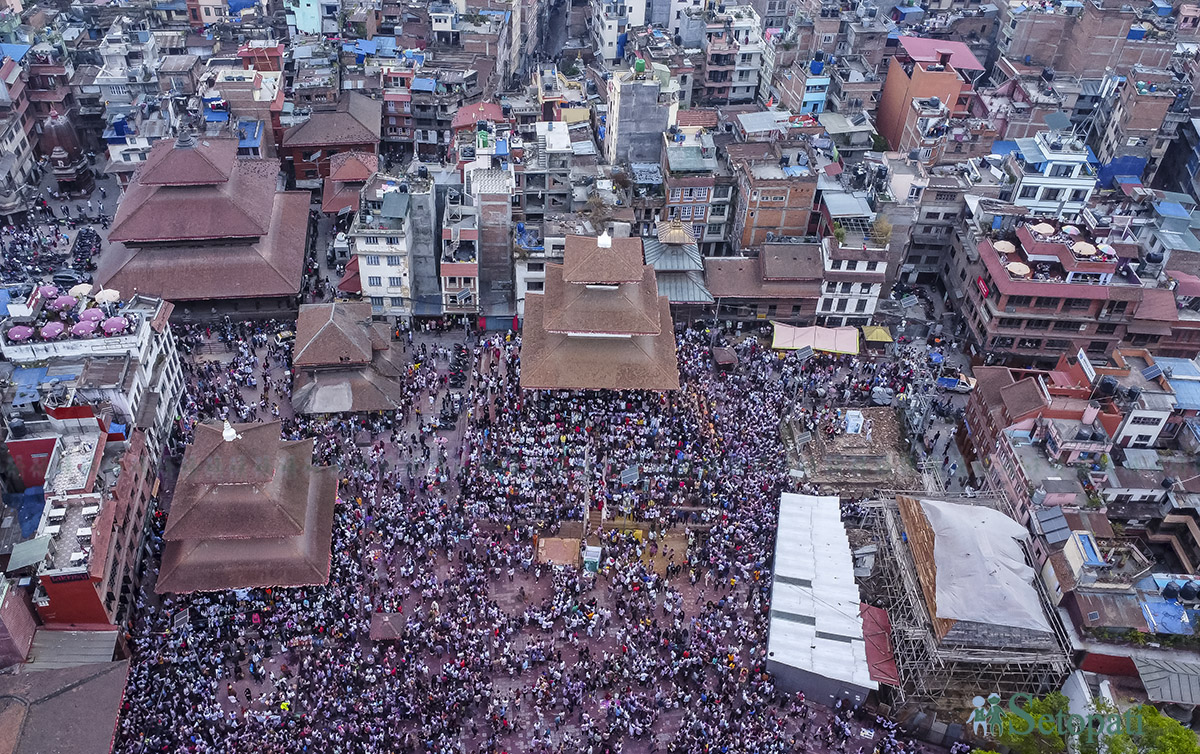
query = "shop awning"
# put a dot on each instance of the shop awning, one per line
(876, 334)
(827, 339)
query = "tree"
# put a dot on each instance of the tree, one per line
(881, 231)
(1152, 732)
(1014, 732)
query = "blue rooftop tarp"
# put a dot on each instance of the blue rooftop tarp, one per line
(501, 147)
(5, 300)
(237, 6)
(27, 380)
(249, 134)
(14, 51)
(1187, 391)
(424, 85)
(1004, 148)
(1168, 618)
(1172, 209)
(29, 506)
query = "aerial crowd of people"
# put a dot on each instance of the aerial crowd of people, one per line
(486, 646)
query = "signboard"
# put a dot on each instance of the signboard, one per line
(181, 619)
(629, 475)
(1086, 363)
(854, 422)
(909, 300)
(804, 353)
(983, 286)
(804, 438)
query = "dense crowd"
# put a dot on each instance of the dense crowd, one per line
(491, 650)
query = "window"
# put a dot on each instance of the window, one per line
(847, 287)
(1144, 421)
(1028, 192)
(831, 287)
(826, 304)
(872, 266)
(861, 306)
(685, 212)
(864, 288)
(1018, 301)
(1062, 325)
(698, 232)
(1029, 343)
(714, 230)
(395, 282)
(675, 194)
(1062, 171)
(851, 265)
(1097, 346)
(796, 309)
(393, 241)
(1057, 344)
(372, 259)
(945, 196)
(835, 264)
(841, 304)
(1045, 302)
(687, 194)
(1079, 195)
(377, 301)
(701, 194)
(1051, 194)
(374, 280)
(394, 260)
(397, 301)
(1106, 328)
(1078, 303)
(537, 286)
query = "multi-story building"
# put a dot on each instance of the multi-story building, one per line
(1033, 290)
(49, 82)
(381, 244)
(854, 85)
(610, 23)
(92, 436)
(642, 103)
(655, 45)
(353, 127)
(312, 16)
(775, 194)
(1052, 173)
(129, 140)
(459, 267)
(1138, 121)
(689, 169)
(544, 175)
(16, 132)
(804, 88)
(130, 63)
(733, 48)
(928, 71)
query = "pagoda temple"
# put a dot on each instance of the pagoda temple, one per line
(600, 323)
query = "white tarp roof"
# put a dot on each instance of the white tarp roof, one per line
(815, 621)
(982, 576)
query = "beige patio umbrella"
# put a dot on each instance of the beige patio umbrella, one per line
(1020, 269)
(107, 296)
(1006, 247)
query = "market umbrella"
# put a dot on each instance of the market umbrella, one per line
(92, 315)
(64, 302)
(114, 325)
(1043, 229)
(107, 296)
(86, 327)
(1083, 249)
(81, 290)
(52, 330)
(19, 333)
(1070, 230)
(1108, 249)
(1006, 247)
(1020, 269)
(48, 291)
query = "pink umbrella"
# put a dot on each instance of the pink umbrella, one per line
(86, 327)
(92, 315)
(52, 330)
(114, 325)
(48, 291)
(65, 302)
(19, 333)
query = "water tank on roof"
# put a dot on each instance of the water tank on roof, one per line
(403, 188)
(639, 66)
(16, 427)
(1170, 591)
(935, 101)
(1190, 591)
(1154, 257)
(423, 172)
(1108, 385)
(1047, 74)
(1083, 434)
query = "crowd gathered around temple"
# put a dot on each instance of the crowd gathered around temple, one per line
(489, 647)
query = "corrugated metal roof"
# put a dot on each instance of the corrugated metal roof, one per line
(1167, 681)
(1054, 525)
(53, 650)
(815, 623)
(684, 288)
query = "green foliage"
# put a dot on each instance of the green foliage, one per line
(1038, 741)
(878, 143)
(1157, 734)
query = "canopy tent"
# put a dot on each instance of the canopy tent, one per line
(876, 334)
(28, 552)
(828, 339)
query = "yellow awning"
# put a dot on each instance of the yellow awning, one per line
(876, 334)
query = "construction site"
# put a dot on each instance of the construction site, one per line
(968, 614)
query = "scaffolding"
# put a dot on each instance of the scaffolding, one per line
(936, 673)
